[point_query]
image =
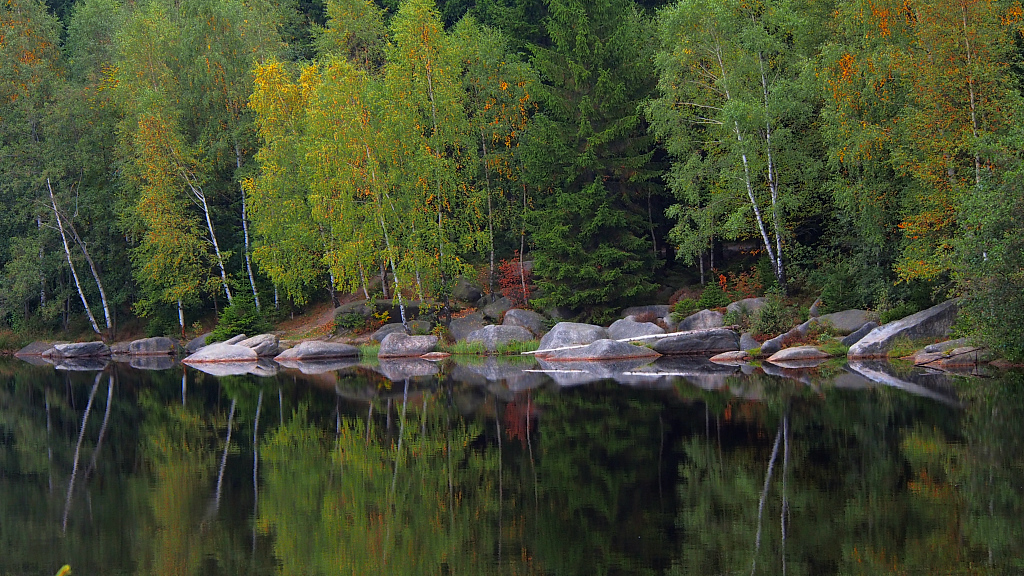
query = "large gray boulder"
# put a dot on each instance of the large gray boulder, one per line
(946, 346)
(747, 341)
(235, 339)
(196, 343)
(702, 320)
(401, 345)
(358, 307)
(159, 346)
(653, 310)
(317, 350)
(493, 336)
(603, 350)
(221, 352)
(797, 353)
(459, 328)
(847, 321)
(78, 350)
(572, 334)
(934, 322)
(264, 345)
(627, 328)
(858, 334)
(699, 342)
(495, 309)
(466, 291)
(532, 321)
(746, 305)
(386, 329)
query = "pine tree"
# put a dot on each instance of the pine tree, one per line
(588, 154)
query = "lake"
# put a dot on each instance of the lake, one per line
(483, 466)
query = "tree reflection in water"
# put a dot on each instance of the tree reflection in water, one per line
(437, 476)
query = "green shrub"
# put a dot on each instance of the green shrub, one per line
(683, 308)
(901, 310)
(352, 321)
(712, 297)
(516, 347)
(157, 326)
(241, 317)
(772, 318)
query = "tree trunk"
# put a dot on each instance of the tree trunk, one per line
(67, 252)
(245, 234)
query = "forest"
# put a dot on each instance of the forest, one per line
(161, 159)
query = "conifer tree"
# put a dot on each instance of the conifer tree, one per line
(588, 155)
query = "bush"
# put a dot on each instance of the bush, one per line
(352, 321)
(683, 308)
(901, 310)
(241, 317)
(712, 297)
(772, 318)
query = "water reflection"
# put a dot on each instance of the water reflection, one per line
(487, 467)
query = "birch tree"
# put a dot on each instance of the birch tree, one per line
(734, 102)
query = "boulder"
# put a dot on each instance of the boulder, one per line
(235, 339)
(78, 350)
(747, 342)
(358, 307)
(654, 311)
(222, 352)
(317, 350)
(386, 329)
(493, 336)
(944, 346)
(797, 353)
(495, 309)
(603, 350)
(159, 346)
(196, 343)
(702, 320)
(935, 322)
(860, 333)
(731, 358)
(572, 334)
(459, 328)
(532, 321)
(466, 291)
(263, 345)
(401, 345)
(847, 321)
(747, 305)
(699, 342)
(815, 310)
(772, 345)
(627, 328)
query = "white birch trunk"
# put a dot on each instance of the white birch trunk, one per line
(245, 235)
(67, 252)
(199, 197)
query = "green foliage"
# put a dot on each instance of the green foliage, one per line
(684, 307)
(901, 310)
(587, 154)
(460, 347)
(772, 318)
(241, 317)
(833, 347)
(352, 321)
(712, 297)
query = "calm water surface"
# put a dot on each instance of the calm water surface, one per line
(482, 468)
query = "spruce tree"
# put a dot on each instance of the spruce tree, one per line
(588, 154)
